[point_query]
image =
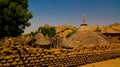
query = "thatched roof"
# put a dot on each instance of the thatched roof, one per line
(40, 39)
(84, 36)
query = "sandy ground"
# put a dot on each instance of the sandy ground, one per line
(107, 63)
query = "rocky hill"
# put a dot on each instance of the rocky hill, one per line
(63, 30)
(110, 28)
(94, 27)
(115, 27)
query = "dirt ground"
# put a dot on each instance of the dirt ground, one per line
(107, 63)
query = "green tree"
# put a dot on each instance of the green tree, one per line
(50, 31)
(14, 16)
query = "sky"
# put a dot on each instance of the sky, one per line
(70, 12)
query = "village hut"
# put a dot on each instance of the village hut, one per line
(41, 41)
(84, 36)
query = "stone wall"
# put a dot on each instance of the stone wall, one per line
(61, 58)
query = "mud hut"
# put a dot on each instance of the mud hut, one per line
(41, 41)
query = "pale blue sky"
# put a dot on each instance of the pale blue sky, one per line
(69, 12)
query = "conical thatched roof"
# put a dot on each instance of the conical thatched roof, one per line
(84, 36)
(40, 39)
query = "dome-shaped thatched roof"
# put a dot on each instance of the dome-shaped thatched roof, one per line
(84, 36)
(40, 39)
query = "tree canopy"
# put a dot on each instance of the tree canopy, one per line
(14, 16)
(50, 31)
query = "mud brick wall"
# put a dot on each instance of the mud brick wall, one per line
(49, 59)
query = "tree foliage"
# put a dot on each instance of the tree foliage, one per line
(14, 16)
(50, 31)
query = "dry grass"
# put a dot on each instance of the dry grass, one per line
(107, 63)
